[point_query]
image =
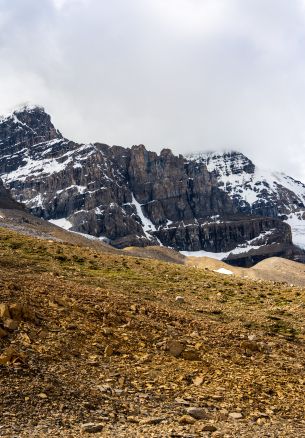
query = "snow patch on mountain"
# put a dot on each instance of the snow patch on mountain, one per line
(79, 189)
(223, 271)
(33, 167)
(148, 226)
(37, 201)
(297, 225)
(67, 225)
(62, 223)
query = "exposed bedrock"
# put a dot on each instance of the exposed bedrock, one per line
(224, 236)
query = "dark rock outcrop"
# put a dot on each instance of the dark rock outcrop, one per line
(225, 235)
(256, 255)
(6, 201)
(169, 189)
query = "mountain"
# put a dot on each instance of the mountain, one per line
(135, 197)
(257, 191)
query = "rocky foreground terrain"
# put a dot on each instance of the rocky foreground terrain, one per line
(135, 197)
(104, 344)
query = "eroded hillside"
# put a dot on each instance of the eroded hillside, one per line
(88, 337)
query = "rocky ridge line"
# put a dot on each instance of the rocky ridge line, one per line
(129, 196)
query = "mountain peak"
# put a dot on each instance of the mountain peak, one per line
(24, 108)
(27, 107)
(225, 162)
(26, 126)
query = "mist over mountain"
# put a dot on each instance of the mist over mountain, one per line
(186, 75)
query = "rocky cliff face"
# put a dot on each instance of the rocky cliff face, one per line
(256, 191)
(129, 196)
(171, 189)
(225, 235)
(6, 201)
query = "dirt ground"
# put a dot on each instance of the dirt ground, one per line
(138, 347)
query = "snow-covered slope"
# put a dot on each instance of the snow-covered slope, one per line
(258, 191)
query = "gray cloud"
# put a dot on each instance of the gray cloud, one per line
(187, 74)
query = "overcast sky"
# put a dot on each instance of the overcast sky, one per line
(186, 74)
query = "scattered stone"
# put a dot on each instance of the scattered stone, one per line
(10, 324)
(156, 420)
(175, 348)
(261, 415)
(25, 339)
(250, 346)
(108, 351)
(11, 356)
(16, 311)
(198, 380)
(118, 391)
(42, 395)
(180, 299)
(4, 359)
(28, 313)
(92, 427)
(93, 361)
(146, 358)
(181, 401)
(4, 311)
(223, 414)
(3, 333)
(186, 419)
(217, 397)
(107, 331)
(208, 428)
(190, 355)
(104, 388)
(235, 415)
(132, 419)
(198, 413)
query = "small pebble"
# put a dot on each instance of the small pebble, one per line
(197, 413)
(92, 427)
(186, 419)
(235, 415)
